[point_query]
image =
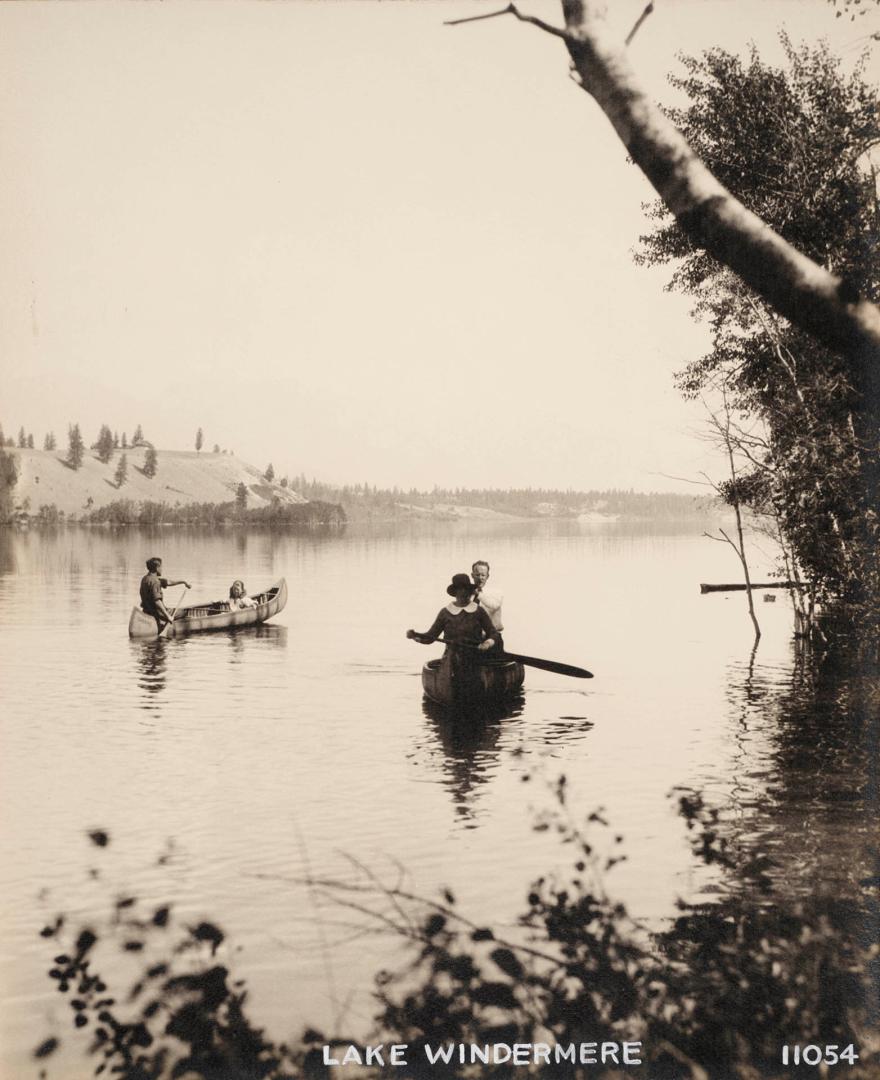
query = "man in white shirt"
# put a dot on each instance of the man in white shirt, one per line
(488, 599)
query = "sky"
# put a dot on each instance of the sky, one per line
(348, 239)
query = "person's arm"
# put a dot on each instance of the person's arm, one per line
(488, 630)
(434, 632)
(492, 602)
(171, 584)
(155, 589)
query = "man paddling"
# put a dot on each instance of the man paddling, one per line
(152, 584)
(489, 600)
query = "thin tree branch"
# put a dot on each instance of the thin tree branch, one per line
(629, 37)
(339, 893)
(686, 480)
(390, 893)
(511, 9)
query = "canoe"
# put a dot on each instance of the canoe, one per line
(494, 682)
(215, 616)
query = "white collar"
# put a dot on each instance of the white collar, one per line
(454, 609)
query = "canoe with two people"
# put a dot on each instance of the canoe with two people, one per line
(472, 668)
(153, 619)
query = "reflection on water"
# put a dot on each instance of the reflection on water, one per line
(270, 752)
(151, 658)
(7, 552)
(469, 741)
(244, 640)
(807, 807)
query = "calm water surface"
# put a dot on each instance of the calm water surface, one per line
(227, 766)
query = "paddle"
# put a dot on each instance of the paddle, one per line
(174, 612)
(529, 661)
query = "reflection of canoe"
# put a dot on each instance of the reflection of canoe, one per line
(493, 682)
(216, 616)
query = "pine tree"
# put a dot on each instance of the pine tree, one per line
(138, 436)
(30, 441)
(22, 439)
(115, 440)
(200, 438)
(121, 470)
(76, 448)
(124, 441)
(8, 479)
(151, 464)
(49, 441)
(104, 445)
(269, 474)
(241, 494)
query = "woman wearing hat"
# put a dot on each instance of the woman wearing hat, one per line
(460, 622)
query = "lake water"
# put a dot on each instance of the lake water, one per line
(227, 767)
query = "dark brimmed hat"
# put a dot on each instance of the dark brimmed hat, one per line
(460, 581)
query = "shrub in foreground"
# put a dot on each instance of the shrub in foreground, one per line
(716, 995)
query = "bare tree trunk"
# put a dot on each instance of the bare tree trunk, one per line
(741, 551)
(738, 546)
(801, 608)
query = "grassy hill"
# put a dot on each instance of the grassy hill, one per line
(182, 477)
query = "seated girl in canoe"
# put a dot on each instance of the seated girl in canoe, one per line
(238, 598)
(461, 623)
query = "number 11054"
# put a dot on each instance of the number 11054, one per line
(818, 1055)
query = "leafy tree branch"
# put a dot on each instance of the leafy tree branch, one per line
(813, 298)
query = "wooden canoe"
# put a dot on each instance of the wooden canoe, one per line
(494, 682)
(216, 616)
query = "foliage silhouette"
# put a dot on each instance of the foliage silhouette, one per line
(717, 994)
(793, 146)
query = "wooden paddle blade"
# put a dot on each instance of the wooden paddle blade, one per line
(548, 665)
(529, 661)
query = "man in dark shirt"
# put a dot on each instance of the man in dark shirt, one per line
(152, 584)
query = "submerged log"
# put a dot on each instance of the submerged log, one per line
(741, 587)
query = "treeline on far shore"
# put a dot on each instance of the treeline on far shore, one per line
(130, 512)
(367, 500)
